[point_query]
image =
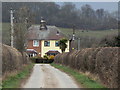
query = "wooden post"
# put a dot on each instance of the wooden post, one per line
(12, 30)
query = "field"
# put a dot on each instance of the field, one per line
(89, 38)
(6, 33)
(89, 33)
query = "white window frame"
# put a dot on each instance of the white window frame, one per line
(37, 41)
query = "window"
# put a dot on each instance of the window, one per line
(57, 43)
(35, 43)
(46, 43)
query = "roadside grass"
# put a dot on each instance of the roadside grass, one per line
(83, 80)
(14, 81)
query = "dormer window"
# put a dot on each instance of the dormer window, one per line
(57, 33)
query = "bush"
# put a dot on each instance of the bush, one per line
(12, 59)
(51, 57)
(46, 57)
(33, 59)
(102, 62)
(110, 41)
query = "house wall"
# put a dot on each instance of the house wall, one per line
(30, 46)
(52, 46)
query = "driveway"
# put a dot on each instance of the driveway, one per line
(46, 76)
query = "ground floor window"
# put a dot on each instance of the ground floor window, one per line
(57, 43)
(47, 43)
(35, 43)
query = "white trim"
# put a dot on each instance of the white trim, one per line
(31, 50)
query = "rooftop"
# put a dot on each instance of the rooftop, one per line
(34, 33)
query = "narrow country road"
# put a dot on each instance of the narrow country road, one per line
(46, 76)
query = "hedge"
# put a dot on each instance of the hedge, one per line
(102, 62)
(12, 59)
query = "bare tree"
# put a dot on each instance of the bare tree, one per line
(23, 22)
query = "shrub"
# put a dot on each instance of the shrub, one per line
(51, 57)
(102, 62)
(110, 41)
(34, 59)
(12, 59)
(46, 57)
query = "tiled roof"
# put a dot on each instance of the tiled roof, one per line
(49, 34)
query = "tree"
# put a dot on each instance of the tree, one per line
(87, 17)
(22, 23)
(66, 15)
(63, 44)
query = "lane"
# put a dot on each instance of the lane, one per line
(46, 76)
(36, 78)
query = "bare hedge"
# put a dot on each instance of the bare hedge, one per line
(12, 59)
(102, 62)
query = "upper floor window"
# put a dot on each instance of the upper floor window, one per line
(36, 43)
(47, 43)
(57, 43)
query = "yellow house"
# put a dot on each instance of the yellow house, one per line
(53, 45)
(44, 41)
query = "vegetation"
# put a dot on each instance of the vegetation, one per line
(110, 41)
(95, 62)
(51, 57)
(6, 33)
(83, 80)
(33, 59)
(62, 44)
(14, 81)
(46, 57)
(90, 38)
(88, 33)
(85, 18)
(21, 25)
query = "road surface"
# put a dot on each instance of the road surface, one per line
(46, 76)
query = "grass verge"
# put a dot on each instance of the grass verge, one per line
(83, 80)
(15, 80)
